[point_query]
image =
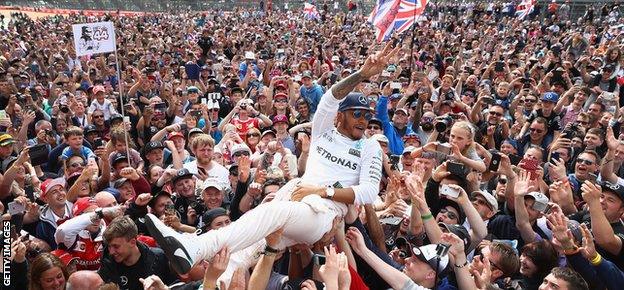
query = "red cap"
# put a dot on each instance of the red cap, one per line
(98, 89)
(280, 118)
(49, 183)
(281, 84)
(280, 96)
(175, 134)
(83, 204)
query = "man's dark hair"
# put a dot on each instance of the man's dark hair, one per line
(509, 262)
(574, 279)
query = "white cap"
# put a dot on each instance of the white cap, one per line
(380, 138)
(541, 201)
(408, 149)
(335, 58)
(489, 198)
(211, 182)
(240, 147)
(249, 55)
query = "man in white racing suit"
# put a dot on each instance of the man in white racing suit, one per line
(343, 168)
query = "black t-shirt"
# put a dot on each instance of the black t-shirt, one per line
(503, 227)
(481, 135)
(152, 262)
(554, 120)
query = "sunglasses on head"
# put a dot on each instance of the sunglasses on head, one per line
(362, 113)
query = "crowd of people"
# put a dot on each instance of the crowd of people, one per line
(267, 150)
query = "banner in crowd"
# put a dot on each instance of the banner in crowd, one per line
(310, 11)
(389, 16)
(525, 8)
(92, 38)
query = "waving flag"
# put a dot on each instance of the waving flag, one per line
(310, 11)
(525, 8)
(389, 16)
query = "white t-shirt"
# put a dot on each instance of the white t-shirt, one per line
(217, 171)
(107, 108)
(340, 161)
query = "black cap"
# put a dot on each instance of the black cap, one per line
(151, 146)
(237, 89)
(156, 195)
(375, 121)
(615, 188)
(182, 173)
(90, 129)
(119, 157)
(354, 100)
(459, 231)
(211, 215)
(116, 117)
(444, 202)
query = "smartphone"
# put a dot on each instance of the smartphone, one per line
(499, 66)
(16, 208)
(170, 209)
(183, 126)
(530, 165)
(3, 114)
(444, 148)
(160, 107)
(554, 156)
(98, 142)
(192, 71)
(319, 260)
(448, 191)
(392, 221)
(395, 85)
(394, 161)
(495, 162)
(457, 169)
(514, 159)
(488, 100)
(196, 113)
(277, 159)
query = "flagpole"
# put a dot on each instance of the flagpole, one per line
(412, 44)
(121, 101)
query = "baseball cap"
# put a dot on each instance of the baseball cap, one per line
(116, 117)
(444, 202)
(615, 188)
(182, 174)
(280, 118)
(236, 89)
(380, 138)
(541, 201)
(119, 157)
(491, 200)
(335, 58)
(211, 215)
(192, 89)
(47, 185)
(152, 145)
(409, 149)
(240, 147)
(83, 204)
(119, 182)
(375, 121)
(174, 134)
(395, 97)
(550, 97)
(306, 74)
(156, 195)
(428, 255)
(211, 182)
(194, 131)
(98, 89)
(411, 135)
(6, 139)
(90, 129)
(401, 110)
(267, 132)
(459, 231)
(280, 96)
(354, 100)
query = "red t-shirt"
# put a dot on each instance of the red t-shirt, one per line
(243, 126)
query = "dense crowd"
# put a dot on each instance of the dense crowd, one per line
(266, 150)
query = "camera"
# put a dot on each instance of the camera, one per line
(443, 123)
(572, 131)
(64, 109)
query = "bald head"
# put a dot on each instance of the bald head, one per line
(105, 199)
(87, 280)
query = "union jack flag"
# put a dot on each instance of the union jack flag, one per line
(310, 11)
(525, 8)
(390, 16)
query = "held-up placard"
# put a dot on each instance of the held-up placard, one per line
(92, 38)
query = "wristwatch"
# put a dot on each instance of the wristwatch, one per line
(329, 192)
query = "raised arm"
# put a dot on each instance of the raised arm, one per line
(601, 228)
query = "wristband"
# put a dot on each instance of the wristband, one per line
(426, 217)
(462, 265)
(596, 260)
(268, 249)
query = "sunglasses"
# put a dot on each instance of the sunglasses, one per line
(449, 214)
(584, 161)
(361, 113)
(281, 101)
(375, 127)
(253, 135)
(97, 116)
(530, 100)
(535, 130)
(239, 154)
(77, 164)
(496, 113)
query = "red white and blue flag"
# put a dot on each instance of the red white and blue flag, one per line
(390, 16)
(525, 8)
(310, 11)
